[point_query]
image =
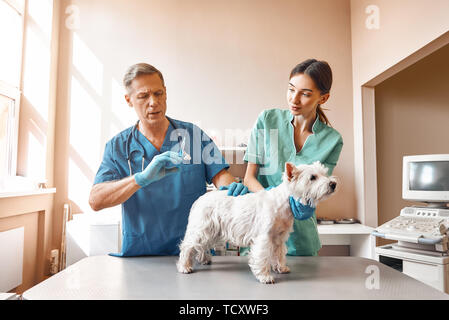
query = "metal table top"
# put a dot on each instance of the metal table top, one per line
(229, 278)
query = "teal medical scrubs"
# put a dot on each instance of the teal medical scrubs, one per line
(154, 219)
(272, 144)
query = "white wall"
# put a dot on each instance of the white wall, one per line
(223, 62)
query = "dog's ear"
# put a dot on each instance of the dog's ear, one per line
(291, 170)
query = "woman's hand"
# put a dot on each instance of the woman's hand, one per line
(299, 210)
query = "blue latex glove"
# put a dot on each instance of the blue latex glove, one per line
(161, 166)
(300, 211)
(235, 189)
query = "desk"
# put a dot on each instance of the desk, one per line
(8, 296)
(228, 278)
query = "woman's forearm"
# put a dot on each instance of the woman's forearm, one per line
(250, 179)
(110, 194)
(253, 184)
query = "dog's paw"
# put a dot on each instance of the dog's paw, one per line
(184, 269)
(281, 269)
(206, 262)
(268, 279)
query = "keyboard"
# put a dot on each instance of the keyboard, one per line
(428, 227)
(414, 223)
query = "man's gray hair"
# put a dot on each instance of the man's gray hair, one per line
(137, 70)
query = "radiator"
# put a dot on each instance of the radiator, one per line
(11, 259)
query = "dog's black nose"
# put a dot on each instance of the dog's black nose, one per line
(333, 185)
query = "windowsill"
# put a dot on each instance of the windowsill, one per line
(25, 193)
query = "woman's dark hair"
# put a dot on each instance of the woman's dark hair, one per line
(321, 74)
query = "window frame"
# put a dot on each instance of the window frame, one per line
(14, 93)
(16, 6)
(12, 134)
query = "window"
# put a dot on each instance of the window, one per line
(11, 37)
(8, 135)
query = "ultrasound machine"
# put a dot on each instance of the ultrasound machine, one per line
(422, 248)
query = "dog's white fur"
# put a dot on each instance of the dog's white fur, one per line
(261, 220)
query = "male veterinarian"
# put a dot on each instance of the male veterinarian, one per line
(156, 169)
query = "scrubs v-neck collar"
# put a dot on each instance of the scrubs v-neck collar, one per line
(149, 148)
(316, 127)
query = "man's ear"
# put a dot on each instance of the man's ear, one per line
(128, 100)
(291, 171)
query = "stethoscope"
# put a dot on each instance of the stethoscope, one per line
(132, 135)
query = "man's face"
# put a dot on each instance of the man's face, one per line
(148, 97)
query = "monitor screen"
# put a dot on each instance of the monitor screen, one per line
(429, 176)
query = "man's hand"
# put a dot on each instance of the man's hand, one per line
(235, 189)
(162, 165)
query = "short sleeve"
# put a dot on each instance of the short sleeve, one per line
(255, 149)
(108, 170)
(332, 160)
(211, 158)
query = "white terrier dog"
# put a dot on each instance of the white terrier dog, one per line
(261, 220)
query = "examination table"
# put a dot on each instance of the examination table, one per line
(229, 278)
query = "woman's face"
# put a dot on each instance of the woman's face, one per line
(302, 95)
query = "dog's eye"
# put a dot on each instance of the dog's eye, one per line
(313, 177)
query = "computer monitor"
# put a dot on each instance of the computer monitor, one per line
(425, 178)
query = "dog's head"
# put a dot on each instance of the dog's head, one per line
(309, 182)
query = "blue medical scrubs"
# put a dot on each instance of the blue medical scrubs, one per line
(154, 219)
